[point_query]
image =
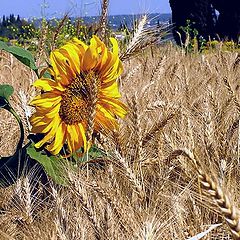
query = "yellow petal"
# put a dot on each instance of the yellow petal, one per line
(37, 121)
(81, 45)
(112, 59)
(62, 71)
(110, 91)
(83, 134)
(71, 52)
(91, 56)
(103, 122)
(46, 100)
(49, 112)
(103, 54)
(113, 73)
(113, 105)
(44, 128)
(115, 48)
(48, 136)
(74, 139)
(46, 84)
(59, 139)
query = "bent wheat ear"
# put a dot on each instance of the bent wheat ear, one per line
(229, 212)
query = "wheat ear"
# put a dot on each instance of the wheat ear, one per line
(58, 30)
(230, 212)
(129, 174)
(137, 37)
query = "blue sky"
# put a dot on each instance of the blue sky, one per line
(56, 8)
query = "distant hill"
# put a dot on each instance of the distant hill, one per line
(115, 21)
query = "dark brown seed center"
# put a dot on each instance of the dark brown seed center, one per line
(76, 99)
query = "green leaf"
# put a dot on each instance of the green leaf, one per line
(6, 91)
(47, 75)
(21, 54)
(93, 153)
(3, 45)
(54, 166)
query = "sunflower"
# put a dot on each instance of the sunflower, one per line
(81, 96)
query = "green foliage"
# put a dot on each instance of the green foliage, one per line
(6, 91)
(93, 153)
(4, 39)
(191, 36)
(59, 31)
(21, 54)
(14, 28)
(195, 43)
(55, 166)
(213, 45)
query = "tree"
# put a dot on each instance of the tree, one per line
(202, 14)
(228, 24)
(18, 19)
(15, 28)
(4, 22)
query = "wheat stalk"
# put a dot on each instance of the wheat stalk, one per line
(93, 98)
(77, 189)
(42, 41)
(232, 93)
(58, 30)
(103, 20)
(137, 127)
(115, 204)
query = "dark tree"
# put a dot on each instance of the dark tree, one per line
(18, 19)
(228, 24)
(202, 15)
(4, 22)
(199, 12)
(15, 28)
(12, 18)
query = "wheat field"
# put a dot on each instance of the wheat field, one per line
(171, 171)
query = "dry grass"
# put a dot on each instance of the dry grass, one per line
(146, 187)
